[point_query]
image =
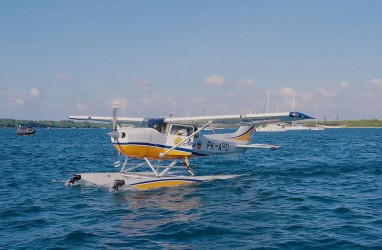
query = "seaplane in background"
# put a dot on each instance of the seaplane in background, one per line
(175, 140)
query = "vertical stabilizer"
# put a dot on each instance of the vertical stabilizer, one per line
(244, 133)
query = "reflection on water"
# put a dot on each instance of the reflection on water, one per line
(158, 209)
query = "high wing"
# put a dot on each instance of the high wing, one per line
(222, 121)
(227, 121)
(129, 120)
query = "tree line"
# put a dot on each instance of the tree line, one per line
(373, 123)
(9, 123)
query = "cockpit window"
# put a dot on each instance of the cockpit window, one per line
(155, 123)
(143, 124)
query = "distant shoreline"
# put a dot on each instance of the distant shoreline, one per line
(363, 127)
(69, 124)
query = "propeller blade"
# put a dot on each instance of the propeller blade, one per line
(115, 108)
(117, 163)
(115, 134)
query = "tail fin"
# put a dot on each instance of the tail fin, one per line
(244, 133)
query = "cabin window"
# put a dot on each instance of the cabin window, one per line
(123, 134)
(181, 130)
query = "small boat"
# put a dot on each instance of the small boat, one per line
(272, 127)
(21, 130)
(317, 128)
(296, 126)
(332, 126)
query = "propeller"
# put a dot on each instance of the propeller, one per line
(115, 108)
(115, 134)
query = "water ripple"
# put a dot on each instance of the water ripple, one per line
(321, 190)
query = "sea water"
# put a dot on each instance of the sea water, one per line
(322, 189)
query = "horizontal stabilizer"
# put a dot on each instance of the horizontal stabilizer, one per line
(259, 146)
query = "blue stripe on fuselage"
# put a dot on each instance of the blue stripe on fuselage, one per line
(160, 146)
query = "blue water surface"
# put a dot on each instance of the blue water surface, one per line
(323, 189)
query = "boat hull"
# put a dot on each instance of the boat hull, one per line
(271, 128)
(145, 180)
(26, 133)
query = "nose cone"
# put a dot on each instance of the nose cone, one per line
(300, 115)
(113, 134)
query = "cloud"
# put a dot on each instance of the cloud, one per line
(246, 82)
(142, 84)
(214, 80)
(304, 100)
(288, 91)
(322, 95)
(343, 85)
(34, 93)
(325, 93)
(152, 100)
(61, 77)
(377, 83)
(20, 98)
(374, 93)
(231, 93)
(81, 106)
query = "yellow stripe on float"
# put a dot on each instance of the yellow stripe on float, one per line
(158, 184)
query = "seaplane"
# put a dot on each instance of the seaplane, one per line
(164, 145)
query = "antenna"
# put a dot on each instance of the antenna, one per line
(173, 108)
(293, 104)
(123, 108)
(266, 108)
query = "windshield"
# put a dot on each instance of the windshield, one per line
(155, 123)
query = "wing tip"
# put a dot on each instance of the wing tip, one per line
(295, 114)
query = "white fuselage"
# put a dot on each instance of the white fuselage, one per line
(151, 143)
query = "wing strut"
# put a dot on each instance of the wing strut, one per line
(162, 155)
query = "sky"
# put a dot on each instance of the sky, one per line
(78, 57)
